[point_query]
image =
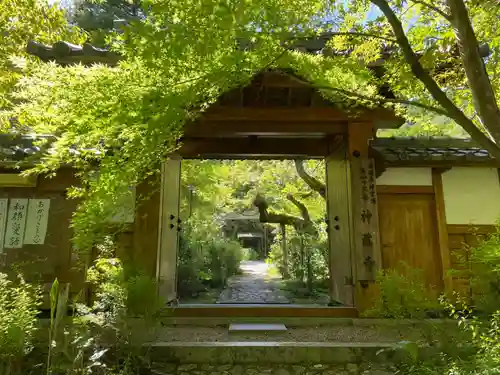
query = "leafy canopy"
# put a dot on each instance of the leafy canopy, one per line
(182, 55)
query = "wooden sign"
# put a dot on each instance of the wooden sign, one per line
(368, 258)
(37, 220)
(16, 222)
(4, 203)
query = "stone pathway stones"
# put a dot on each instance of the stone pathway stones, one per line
(253, 286)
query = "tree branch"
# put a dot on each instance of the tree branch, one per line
(433, 8)
(366, 35)
(452, 111)
(304, 212)
(312, 182)
(378, 100)
(300, 224)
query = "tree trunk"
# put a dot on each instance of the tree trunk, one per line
(284, 251)
(431, 85)
(475, 70)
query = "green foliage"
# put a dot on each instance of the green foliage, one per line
(403, 294)
(206, 260)
(103, 339)
(20, 22)
(480, 264)
(19, 304)
(97, 17)
(307, 255)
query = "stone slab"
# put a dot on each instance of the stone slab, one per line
(245, 328)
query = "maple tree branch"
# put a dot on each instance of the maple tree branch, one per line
(377, 100)
(304, 212)
(452, 111)
(433, 8)
(311, 181)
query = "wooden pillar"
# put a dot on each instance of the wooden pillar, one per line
(338, 188)
(367, 258)
(169, 228)
(284, 250)
(437, 183)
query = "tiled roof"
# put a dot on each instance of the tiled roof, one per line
(18, 148)
(66, 53)
(399, 150)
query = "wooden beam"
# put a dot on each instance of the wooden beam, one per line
(280, 127)
(17, 180)
(299, 114)
(254, 147)
(404, 189)
(359, 136)
(437, 183)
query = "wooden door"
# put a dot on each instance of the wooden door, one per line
(170, 225)
(408, 230)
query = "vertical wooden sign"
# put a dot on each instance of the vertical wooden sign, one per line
(4, 203)
(16, 222)
(37, 221)
(364, 203)
(366, 221)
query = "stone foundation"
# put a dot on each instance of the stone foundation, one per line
(270, 369)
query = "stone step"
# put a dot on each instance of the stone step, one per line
(290, 353)
(259, 311)
(246, 328)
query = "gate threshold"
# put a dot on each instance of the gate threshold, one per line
(262, 311)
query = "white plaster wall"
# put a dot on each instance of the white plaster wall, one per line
(471, 195)
(406, 176)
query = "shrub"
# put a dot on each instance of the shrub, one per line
(19, 303)
(403, 294)
(206, 259)
(481, 265)
(102, 339)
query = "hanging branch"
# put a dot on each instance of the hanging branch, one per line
(299, 224)
(311, 181)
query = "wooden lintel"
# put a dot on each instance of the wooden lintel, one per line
(298, 114)
(254, 147)
(204, 128)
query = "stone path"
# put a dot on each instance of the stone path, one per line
(254, 285)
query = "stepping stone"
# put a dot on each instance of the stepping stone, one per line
(246, 328)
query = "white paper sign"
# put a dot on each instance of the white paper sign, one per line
(16, 222)
(36, 223)
(3, 221)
